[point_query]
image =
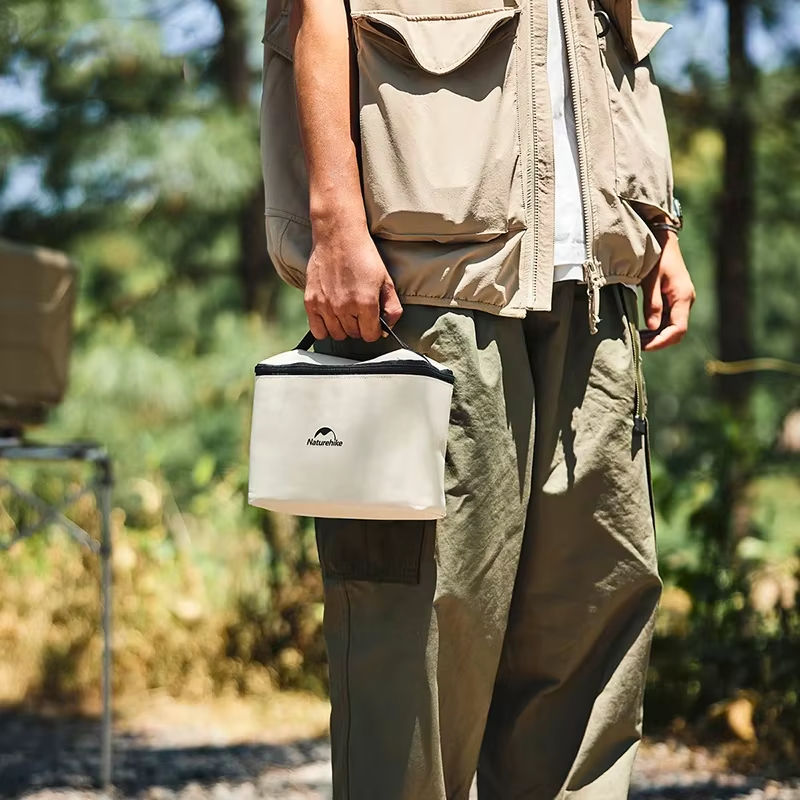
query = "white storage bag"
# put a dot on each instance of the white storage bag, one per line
(333, 437)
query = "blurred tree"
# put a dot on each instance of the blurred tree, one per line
(734, 126)
(145, 157)
(737, 208)
(236, 79)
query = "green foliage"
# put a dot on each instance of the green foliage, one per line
(730, 622)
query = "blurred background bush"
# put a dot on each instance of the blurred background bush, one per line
(129, 139)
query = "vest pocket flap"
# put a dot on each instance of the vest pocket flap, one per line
(276, 35)
(644, 36)
(438, 44)
(639, 35)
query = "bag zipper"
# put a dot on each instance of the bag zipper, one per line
(384, 368)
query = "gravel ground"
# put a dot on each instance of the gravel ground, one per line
(55, 759)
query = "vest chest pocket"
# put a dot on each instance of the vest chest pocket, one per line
(641, 140)
(439, 125)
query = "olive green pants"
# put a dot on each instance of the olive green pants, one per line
(513, 636)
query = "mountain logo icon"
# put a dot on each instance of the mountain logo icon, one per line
(324, 437)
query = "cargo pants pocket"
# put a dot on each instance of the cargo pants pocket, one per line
(628, 308)
(381, 551)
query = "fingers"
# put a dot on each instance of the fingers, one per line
(369, 323)
(390, 303)
(333, 324)
(653, 302)
(679, 316)
(669, 336)
(349, 323)
(674, 332)
(321, 319)
(668, 297)
(317, 326)
(324, 322)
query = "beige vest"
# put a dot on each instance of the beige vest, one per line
(457, 150)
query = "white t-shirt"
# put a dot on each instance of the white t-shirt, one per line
(570, 235)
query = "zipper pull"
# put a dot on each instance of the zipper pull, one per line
(594, 280)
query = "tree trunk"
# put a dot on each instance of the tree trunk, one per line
(737, 211)
(257, 278)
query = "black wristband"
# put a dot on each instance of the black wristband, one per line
(665, 226)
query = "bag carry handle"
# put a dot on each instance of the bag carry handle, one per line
(309, 340)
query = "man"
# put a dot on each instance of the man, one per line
(493, 177)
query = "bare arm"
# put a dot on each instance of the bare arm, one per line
(347, 283)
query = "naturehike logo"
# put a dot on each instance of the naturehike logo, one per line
(324, 437)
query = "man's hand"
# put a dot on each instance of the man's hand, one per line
(668, 298)
(347, 285)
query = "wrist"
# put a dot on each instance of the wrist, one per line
(665, 236)
(666, 226)
(338, 218)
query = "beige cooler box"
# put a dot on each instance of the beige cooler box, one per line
(332, 437)
(37, 297)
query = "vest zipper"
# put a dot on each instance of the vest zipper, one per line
(592, 274)
(360, 369)
(531, 187)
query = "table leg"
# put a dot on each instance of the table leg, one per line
(104, 498)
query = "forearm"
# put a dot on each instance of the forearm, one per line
(324, 84)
